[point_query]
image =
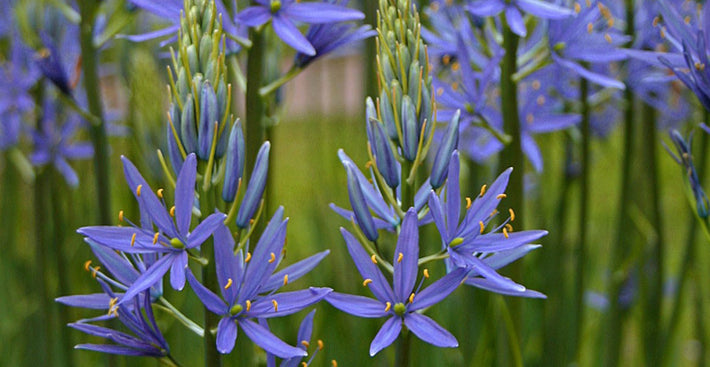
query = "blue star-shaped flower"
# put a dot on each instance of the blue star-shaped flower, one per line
(513, 8)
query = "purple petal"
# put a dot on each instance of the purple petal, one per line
(492, 242)
(226, 263)
(306, 328)
(317, 13)
(205, 229)
(226, 335)
(151, 276)
(254, 16)
(286, 303)
(428, 330)
(515, 21)
(185, 193)
(209, 299)
(294, 271)
(438, 290)
(379, 286)
(288, 32)
(177, 271)
(150, 35)
(532, 151)
(387, 334)
(95, 301)
(597, 78)
(492, 286)
(357, 305)
(486, 8)
(270, 342)
(119, 349)
(119, 238)
(543, 9)
(405, 269)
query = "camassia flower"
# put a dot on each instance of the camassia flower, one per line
(248, 286)
(513, 8)
(467, 243)
(173, 238)
(403, 304)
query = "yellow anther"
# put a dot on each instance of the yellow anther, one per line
(607, 37)
(133, 240)
(320, 345)
(304, 364)
(446, 59)
(509, 227)
(366, 282)
(400, 257)
(610, 22)
(120, 216)
(229, 283)
(536, 84)
(248, 304)
(501, 196)
(529, 118)
(483, 191)
(411, 298)
(373, 258)
(112, 302)
(251, 221)
(512, 214)
(272, 258)
(388, 306)
(505, 232)
(468, 202)
(455, 86)
(483, 226)
(246, 260)
(87, 264)
(368, 164)
(155, 237)
(172, 211)
(334, 363)
(439, 91)
(540, 100)
(588, 3)
(663, 32)
(577, 8)
(699, 66)
(433, 7)
(276, 305)
(687, 19)
(455, 66)
(305, 343)
(138, 190)
(494, 212)
(94, 271)
(285, 279)
(655, 21)
(160, 193)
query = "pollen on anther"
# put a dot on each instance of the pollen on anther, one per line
(400, 257)
(276, 305)
(120, 216)
(468, 202)
(305, 343)
(426, 273)
(229, 283)
(373, 258)
(388, 306)
(87, 264)
(155, 238)
(285, 279)
(320, 345)
(248, 304)
(505, 232)
(501, 196)
(512, 214)
(483, 226)
(138, 190)
(366, 282)
(411, 298)
(272, 258)
(590, 27)
(509, 227)
(483, 190)
(304, 364)
(94, 271)
(686, 19)
(577, 8)
(172, 211)
(246, 260)
(133, 240)
(160, 193)
(607, 37)
(334, 363)
(655, 21)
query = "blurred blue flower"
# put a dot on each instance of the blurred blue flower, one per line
(248, 285)
(283, 14)
(173, 239)
(513, 9)
(401, 303)
(17, 77)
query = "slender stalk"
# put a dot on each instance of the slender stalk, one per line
(581, 251)
(512, 154)
(97, 130)
(43, 235)
(402, 354)
(56, 252)
(407, 189)
(254, 103)
(209, 279)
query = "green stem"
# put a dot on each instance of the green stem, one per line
(276, 84)
(43, 235)
(90, 66)
(181, 317)
(512, 154)
(209, 279)
(581, 252)
(56, 252)
(407, 189)
(402, 354)
(255, 108)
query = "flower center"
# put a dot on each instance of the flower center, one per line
(235, 309)
(275, 6)
(456, 241)
(400, 308)
(175, 242)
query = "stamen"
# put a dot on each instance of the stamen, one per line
(483, 226)
(276, 305)
(663, 32)
(272, 258)
(87, 264)
(655, 21)
(155, 238)
(494, 212)
(687, 19)
(366, 282)
(512, 214)
(400, 257)
(133, 240)
(160, 193)
(248, 304)
(607, 37)
(246, 260)
(468, 202)
(305, 343)
(411, 298)
(505, 232)
(483, 191)
(529, 118)
(446, 59)
(501, 196)
(610, 22)
(373, 258)
(536, 84)
(120, 216)
(320, 345)
(388, 306)
(509, 227)
(439, 91)
(304, 364)
(540, 100)
(138, 190)
(334, 363)
(94, 271)
(229, 283)
(285, 279)
(426, 273)
(455, 66)
(590, 27)
(172, 211)
(588, 3)
(577, 8)
(455, 86)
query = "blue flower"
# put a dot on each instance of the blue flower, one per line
(467, 244)
(513, 8)
(402, 303)
(304, 340)
(283, 14)
(171, 241)
(17, 77)
(248, 284)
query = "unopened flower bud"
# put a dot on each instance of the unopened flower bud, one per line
(450, 141)
(234, 166)
(360, 208)
(410, 131)
(255, 190)
(208, 117)
(188, 126)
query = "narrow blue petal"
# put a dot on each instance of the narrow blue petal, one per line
(209, 299)
(486, 8)
(259, 268)
(226, 263)
(492, 286)
(117, 265)
(270, 342)
(255, 189)
(306, 328)
(294, 271)
(440, 167)
(151, 276)
(359, 204)
(185, 194)
(438, 290)
(177, 271)
(543, 9)
(288, 32)
(286, 303)
(532, 151)
(119, 238)
(480, 268)
(357, 305)
(205, 229)
(316, 13)
(492, 242)
(515, 21)
(387, 334)
(503, 258)
(379, 286)
(120, 350)
(597, 78)
(254, 16)
(226, 335)
(405, 269)
(453, 198)
(428, 330)
(95, 301)
(150, 35)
